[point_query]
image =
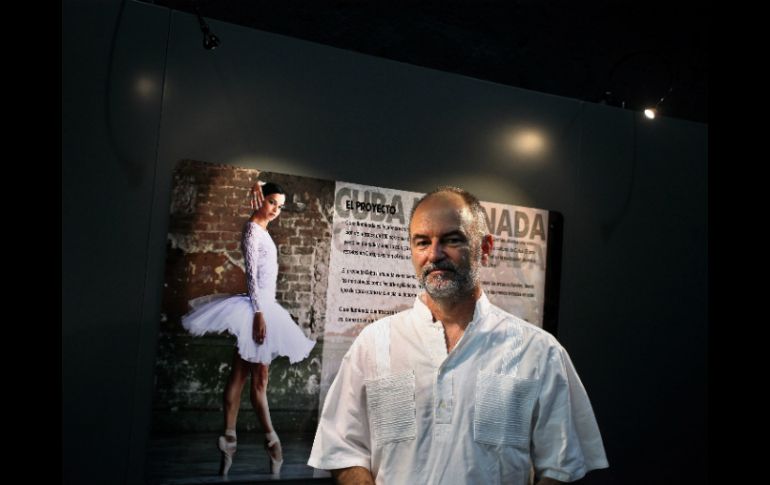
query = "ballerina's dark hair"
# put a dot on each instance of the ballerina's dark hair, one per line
(271, 188)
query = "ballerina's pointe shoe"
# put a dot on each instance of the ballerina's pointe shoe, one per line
(226, 445)
(273, 447)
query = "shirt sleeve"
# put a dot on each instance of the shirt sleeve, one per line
(566, 443)
(342, 439)
(251, 255)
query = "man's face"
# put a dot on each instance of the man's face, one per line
(446, 253)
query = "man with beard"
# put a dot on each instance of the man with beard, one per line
(455, 390)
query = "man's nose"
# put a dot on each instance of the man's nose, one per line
(436, 252)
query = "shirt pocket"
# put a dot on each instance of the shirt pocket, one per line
(391, 406)
(503, 409)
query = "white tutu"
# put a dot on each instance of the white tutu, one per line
(219, 313)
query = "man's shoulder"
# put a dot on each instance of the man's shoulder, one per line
(520, 326)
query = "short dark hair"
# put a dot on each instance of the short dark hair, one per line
(471, 201)
(272, 188)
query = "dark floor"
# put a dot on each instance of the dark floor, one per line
(194, 459)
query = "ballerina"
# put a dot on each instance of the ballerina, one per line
(263, 328)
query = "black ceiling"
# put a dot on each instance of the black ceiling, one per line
(638, 51)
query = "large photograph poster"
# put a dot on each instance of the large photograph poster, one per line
(343, 262)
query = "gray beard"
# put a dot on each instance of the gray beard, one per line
(461, 285)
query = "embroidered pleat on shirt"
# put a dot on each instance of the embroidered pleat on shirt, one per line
(390, 401)
(503, 409)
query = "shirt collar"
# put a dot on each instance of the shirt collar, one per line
(482, 309)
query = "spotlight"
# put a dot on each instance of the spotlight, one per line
(652, 112)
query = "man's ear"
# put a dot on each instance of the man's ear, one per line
(487, 244)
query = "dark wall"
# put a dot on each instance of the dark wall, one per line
(112, 70)
(140, 93)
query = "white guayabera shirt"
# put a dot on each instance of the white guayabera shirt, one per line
(507, 397)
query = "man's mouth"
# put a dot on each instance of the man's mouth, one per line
(439, 271)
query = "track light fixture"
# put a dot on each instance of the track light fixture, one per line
(210, 41)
